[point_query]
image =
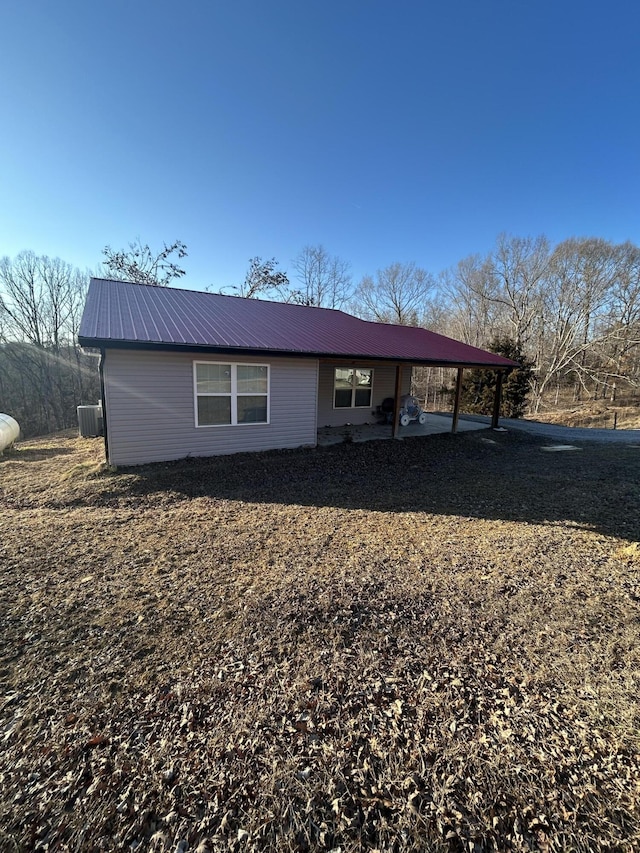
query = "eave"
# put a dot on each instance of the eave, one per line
(108, 343)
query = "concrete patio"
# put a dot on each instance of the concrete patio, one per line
(437, 422)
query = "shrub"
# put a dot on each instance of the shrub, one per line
(478, 386)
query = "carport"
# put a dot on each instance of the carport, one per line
(378, 380)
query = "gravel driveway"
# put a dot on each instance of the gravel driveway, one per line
(567, 435)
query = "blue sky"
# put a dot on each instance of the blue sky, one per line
(386, 130)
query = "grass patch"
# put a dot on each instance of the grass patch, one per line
(86, 468)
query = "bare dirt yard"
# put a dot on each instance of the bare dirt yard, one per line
(422, 645)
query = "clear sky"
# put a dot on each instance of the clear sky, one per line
(387, 130)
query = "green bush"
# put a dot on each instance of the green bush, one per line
(478, 386)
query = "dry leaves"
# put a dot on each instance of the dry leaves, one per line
(430, 644)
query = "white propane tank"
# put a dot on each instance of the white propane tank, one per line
(9, 431)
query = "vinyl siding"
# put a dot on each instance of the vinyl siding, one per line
(384, 385)
(150, 408)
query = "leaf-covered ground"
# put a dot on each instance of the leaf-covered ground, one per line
(601, 414)
(421, 645)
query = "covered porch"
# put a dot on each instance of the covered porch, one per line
(352, 397)
(436, 422)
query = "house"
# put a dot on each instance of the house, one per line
(187, 373)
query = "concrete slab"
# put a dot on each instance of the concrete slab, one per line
(435, 423)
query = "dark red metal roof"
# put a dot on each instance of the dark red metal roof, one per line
(120, 313)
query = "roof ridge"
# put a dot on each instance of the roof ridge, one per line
(164, 287)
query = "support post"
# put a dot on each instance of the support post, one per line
(396, 402)
(456, 401)
(103, 401)
(497, 400)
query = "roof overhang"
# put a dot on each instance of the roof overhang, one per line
(360, 358)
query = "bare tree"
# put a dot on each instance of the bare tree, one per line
(474, 313)
(325, 280)
(44, 374)
(140, 264)
(398, 294)
(39, 298)
(263, 279)
(518, 266)
(620, 351)
(577, 292)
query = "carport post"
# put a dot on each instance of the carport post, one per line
(497, 400)
(396, 402)
(456, 401)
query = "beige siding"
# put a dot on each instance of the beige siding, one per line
(384, 385)
(150, 408)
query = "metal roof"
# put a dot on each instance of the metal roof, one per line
(121, 313)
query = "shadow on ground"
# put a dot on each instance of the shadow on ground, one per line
(35, 454)
(478, 475)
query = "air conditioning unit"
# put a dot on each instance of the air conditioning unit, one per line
(90, 421)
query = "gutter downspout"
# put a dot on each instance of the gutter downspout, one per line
(103, 400)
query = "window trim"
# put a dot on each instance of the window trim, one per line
(233, 394)
(354, 386)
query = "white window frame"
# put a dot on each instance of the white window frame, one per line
(234, 394)
(353, 386)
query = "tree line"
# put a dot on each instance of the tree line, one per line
(44, 374)
(569, 312)
(572, 309)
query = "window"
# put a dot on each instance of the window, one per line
(231, 393)
(352, 387)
